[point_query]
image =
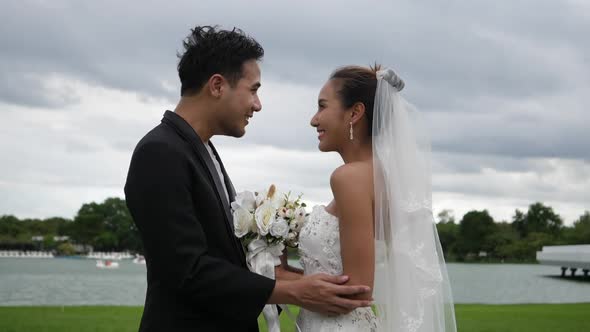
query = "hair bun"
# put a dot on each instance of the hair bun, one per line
(391, 77)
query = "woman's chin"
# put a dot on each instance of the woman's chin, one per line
(323, 148)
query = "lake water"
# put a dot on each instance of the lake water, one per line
(60, 281)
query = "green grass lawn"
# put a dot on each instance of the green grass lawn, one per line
(470, 318)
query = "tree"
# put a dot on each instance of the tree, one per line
(14, 234)
(106, 241)
(66, 249)
(500, 242)
(48, 243)
(58, 225)
(447, 231)
(519, 222)
(106, 226)
(88, 223)
(542, 219)
(538, 219)
(581, 230)
(11, 226)
(118, 221)
(474, 228)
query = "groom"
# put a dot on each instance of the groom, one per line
(179, 195)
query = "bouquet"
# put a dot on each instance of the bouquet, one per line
(266, 222)
(268, 216)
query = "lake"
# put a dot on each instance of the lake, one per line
(66, 281)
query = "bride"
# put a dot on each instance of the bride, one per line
(378, 229)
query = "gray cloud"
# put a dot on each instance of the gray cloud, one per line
(502, 86)
(455, 49)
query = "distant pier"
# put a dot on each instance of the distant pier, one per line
(573, 258)
(25, 254)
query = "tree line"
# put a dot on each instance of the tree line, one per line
(105, 226)
(108, 226)
(477, 237)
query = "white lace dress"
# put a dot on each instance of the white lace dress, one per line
(319, 249)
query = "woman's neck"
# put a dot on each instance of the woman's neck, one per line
(357, 152)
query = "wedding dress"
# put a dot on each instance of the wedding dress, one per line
(319, 250)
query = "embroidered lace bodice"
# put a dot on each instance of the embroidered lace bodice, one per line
(319, 251)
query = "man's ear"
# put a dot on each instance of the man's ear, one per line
(358, 111)
(216, 85)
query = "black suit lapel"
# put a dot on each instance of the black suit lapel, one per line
(185, 130)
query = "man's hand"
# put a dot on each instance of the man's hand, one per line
(320, 293)
(326, 294)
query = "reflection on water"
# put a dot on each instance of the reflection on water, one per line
(60, 281)
(30, 281)
(514, 283)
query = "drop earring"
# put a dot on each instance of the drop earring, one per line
(351, 133)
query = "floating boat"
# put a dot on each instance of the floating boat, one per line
(139, 259)
(106, 264)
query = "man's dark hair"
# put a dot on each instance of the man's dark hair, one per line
(209, 51)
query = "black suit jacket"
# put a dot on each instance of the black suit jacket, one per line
(196, 270)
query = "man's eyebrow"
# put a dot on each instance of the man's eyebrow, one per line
(256, 85)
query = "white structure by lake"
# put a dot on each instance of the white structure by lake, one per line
(567, 257)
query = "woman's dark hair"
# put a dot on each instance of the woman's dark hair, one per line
(355, 84)
(209, 51)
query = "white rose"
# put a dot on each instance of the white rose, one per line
(279, 228)
(291, 236)
(246, 200)
(293, 224)
(298, 225)
(290, 214)
(265, 216)
(243, 222)
(300, 214)
(282, 212)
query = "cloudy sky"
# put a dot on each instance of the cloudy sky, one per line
(504, 88)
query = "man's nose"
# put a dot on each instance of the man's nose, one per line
(257, 105)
